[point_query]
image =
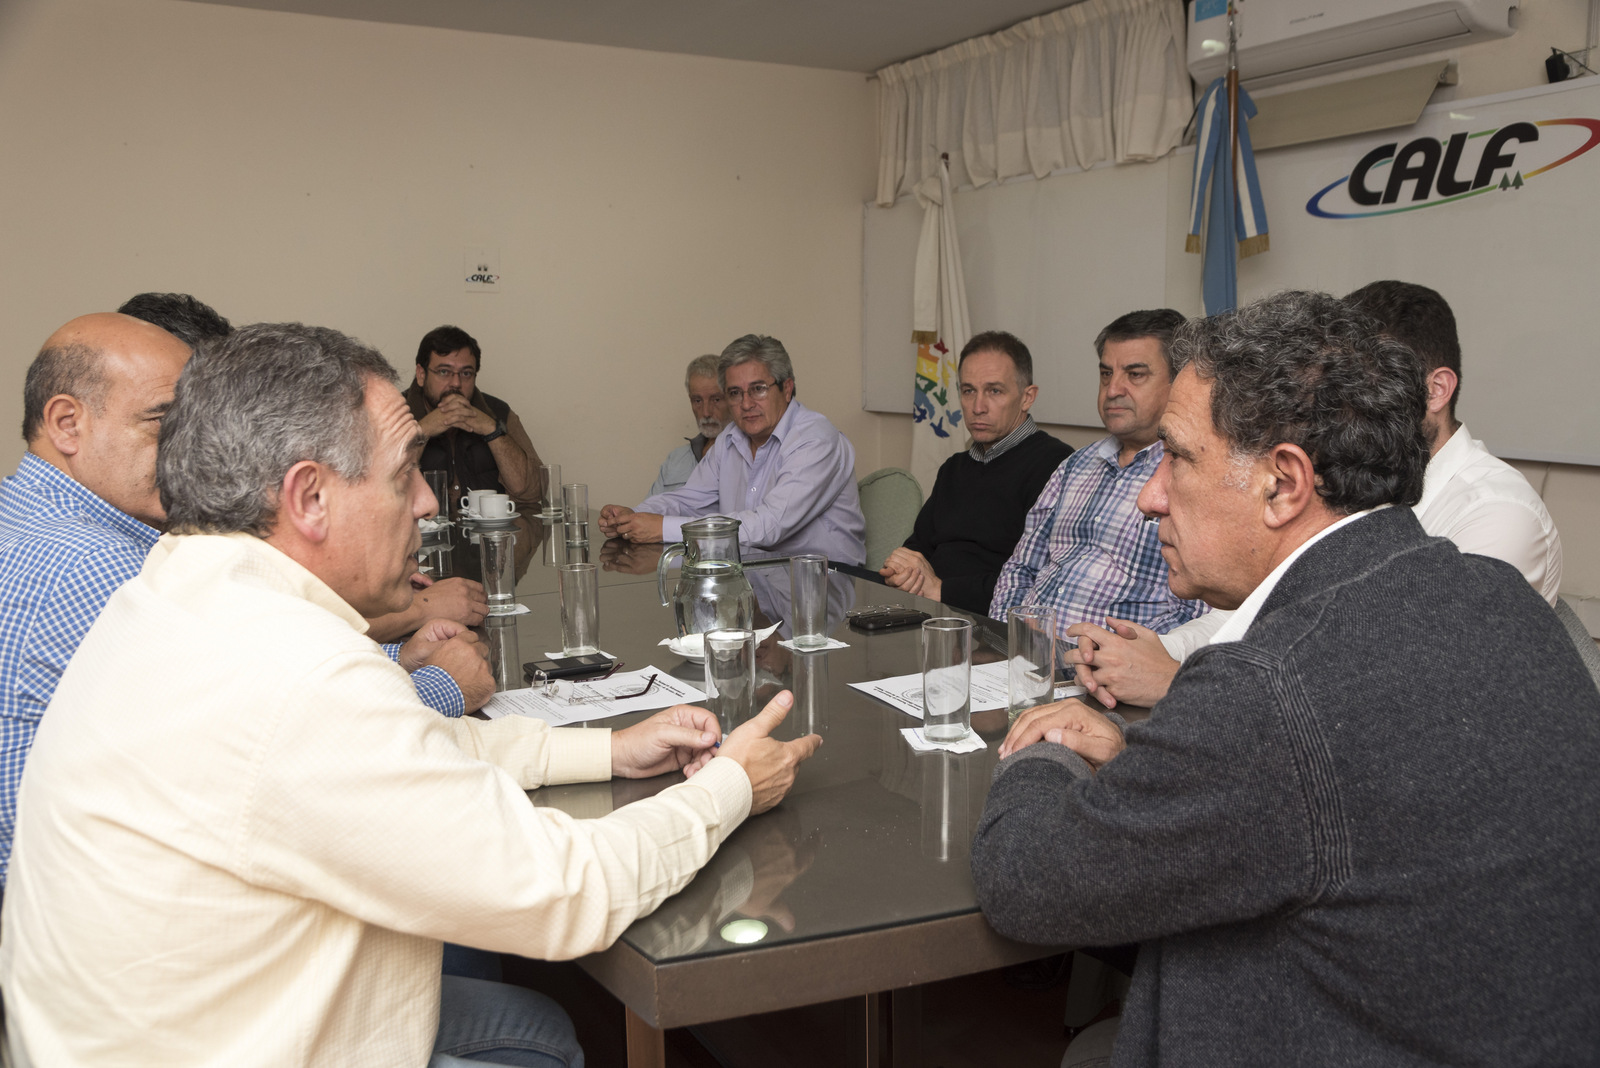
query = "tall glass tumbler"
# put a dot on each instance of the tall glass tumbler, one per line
(550, 496)
(1031, 669)
(580, 608)
(730, 676)
(497, 550)
(946, 679)
(575, 512)
(808, 591)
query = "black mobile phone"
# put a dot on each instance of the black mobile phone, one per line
(570, 667)
(886, 617)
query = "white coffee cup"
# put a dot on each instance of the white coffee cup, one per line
(497, 506)
(472, 503)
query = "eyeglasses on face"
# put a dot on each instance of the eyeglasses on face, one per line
(758, 391)
(466, 374)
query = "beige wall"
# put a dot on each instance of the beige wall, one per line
(647, 207)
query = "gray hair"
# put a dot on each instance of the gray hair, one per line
(1309, 370)
(702, 367)
(768, 351)
(252, 405)
(74, 369)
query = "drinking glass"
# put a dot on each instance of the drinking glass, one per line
(498, 551)
(439, 483)
(730, 676)
(1031, 670)
(808, 592)
(946, 679)
(575, 508)
(580, 608)
(550, 496)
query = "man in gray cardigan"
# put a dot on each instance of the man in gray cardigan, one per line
(1361, 828)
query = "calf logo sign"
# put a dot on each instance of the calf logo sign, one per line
(1427, 172)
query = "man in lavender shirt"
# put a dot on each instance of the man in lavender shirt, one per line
(782, 470)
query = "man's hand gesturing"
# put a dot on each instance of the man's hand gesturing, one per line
(770, 763)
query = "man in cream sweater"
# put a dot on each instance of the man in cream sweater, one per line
(243, 838)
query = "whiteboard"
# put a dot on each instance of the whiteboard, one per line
(1055, 260)
(1051, 261)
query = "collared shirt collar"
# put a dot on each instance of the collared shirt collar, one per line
(1455, 454)
(1024, 430)
(1109, 448)
(739, 441)
(35, 468)
(293, 576)
(1235, 627)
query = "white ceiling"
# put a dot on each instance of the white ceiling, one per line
(858, 35)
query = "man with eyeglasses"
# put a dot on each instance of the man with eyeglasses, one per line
(475, 437)
(785, 472)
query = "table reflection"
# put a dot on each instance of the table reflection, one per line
(946, 809)
(628, 558)
(774, 598)
(452, 549)
(505, 657)
(753, 874)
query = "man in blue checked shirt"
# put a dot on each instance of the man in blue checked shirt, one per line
(1086, 549)
(82, 512)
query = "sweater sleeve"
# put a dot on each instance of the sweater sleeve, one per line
(922, 533)
(1209, 816)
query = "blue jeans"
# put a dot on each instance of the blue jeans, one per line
(496, 1023)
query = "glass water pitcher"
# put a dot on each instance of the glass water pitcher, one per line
(712, 592)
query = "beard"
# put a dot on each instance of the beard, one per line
(711, 428)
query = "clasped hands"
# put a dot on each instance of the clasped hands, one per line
(685, 737)
(1125, 663)
(907, 569)
(620, 521)
(454, 648)
(455, 412)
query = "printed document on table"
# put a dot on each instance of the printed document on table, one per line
(557, 709)
(988, 690)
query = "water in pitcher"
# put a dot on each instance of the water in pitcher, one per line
(712, 592)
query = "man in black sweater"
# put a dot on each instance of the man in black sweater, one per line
(971, 521)
(1360, 829)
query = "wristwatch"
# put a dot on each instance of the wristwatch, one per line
(499, 428)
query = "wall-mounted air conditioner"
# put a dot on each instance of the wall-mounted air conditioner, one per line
(1284, 40)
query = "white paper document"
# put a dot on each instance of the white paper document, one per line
(988, 690)
(905, 691)
(558, 708)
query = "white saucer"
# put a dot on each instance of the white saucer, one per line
(477, 522)
(692, 647)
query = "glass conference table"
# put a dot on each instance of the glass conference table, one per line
(857, 884)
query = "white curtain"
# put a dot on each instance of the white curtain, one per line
(940, 329)
(1100, 80)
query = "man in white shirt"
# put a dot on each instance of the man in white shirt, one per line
(1475, 499)
(241, 836)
